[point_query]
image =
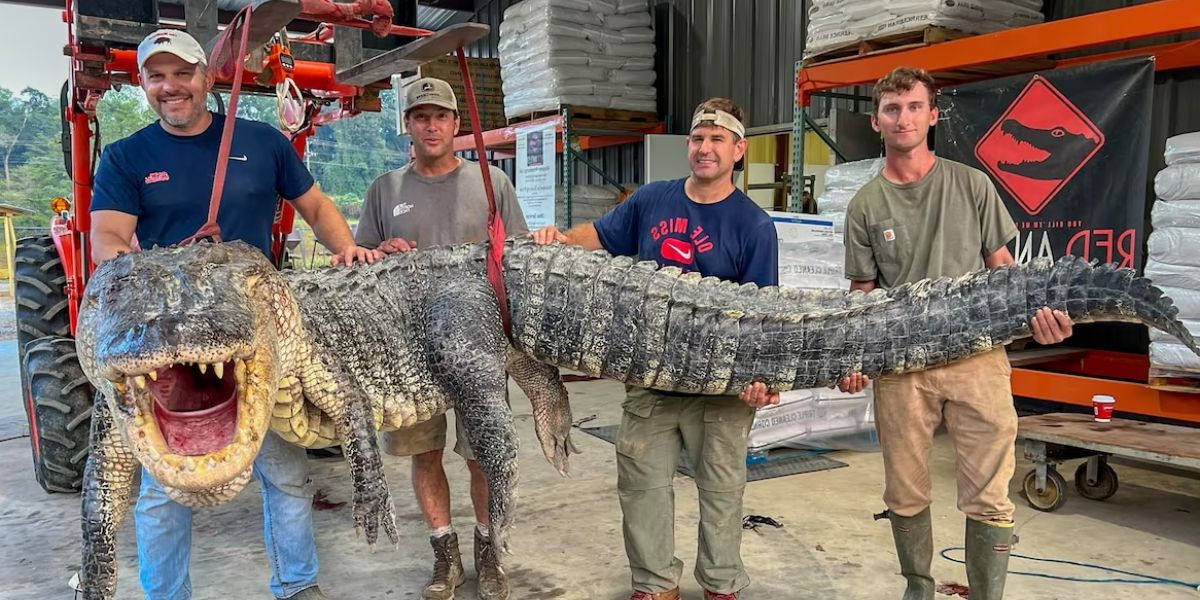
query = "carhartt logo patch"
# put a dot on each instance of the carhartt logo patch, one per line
(889, 235)
(157, 176)
(401, 209)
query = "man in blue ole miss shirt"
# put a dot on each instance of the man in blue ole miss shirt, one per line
(702, 223)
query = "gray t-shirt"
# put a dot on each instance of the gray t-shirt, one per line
(436, 211)
(942, 225)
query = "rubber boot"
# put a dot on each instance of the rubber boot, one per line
(914, 548)
(493, 583)
(447, 568)
(988, 547)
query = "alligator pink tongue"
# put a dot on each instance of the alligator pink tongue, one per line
(201, 431)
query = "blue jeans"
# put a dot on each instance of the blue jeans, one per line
(164, 527)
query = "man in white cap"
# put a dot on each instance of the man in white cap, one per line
(705, 224)
(157, 183)
(439, 199)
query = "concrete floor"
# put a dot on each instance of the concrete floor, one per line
(567, 543)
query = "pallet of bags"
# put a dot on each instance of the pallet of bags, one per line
(841, 183)
(1174, 253)
(838, 28)
(590, 53)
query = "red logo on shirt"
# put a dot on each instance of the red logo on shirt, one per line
(157, 176)
(676, 250)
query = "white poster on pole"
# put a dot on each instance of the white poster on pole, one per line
(535, 174)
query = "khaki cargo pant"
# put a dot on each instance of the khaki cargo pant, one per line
(713, 430)
(974, 399)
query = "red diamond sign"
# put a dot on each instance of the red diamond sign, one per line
(1038, 145)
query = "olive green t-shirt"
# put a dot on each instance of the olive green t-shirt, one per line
(942, 225)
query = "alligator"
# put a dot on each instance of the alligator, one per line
(199, 351)
(1064, 151)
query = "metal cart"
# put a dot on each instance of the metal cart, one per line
(1052, 438)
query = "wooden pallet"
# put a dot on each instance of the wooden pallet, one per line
(1174, 381)
(600, 119)
(888, 43)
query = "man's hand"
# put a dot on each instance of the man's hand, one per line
(854, 384)
(1050, 326)
(547, 235)
(354, 253)
(395, 245)
(756, 395)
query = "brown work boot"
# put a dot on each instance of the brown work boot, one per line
(447, 568)
(715, 596)
(493, 583)
(667, 595)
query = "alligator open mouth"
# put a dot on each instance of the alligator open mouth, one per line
(198, 418)
(195, 406)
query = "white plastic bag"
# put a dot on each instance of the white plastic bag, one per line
(632, 77)
(1182, 213)
(852, 175)
(629, 6)
(630, 50)
(1175, 246)
(1183, 148)
(637, 35)
(1184, 299)
(1178, 182)
(1173, 356)
(627, 20)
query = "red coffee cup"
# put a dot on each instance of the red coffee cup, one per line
(1102, 407)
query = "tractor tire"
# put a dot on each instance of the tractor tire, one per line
(40, 289)
(58, 400)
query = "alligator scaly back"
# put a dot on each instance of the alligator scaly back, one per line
(663, 329)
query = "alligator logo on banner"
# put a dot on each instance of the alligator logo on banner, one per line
(1038, 145)
(1068, 151)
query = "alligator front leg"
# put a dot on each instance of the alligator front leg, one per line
(467, 356)
(551, 408)
(107, 483)
(353, 418)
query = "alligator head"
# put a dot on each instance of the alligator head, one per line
(1052, 153)
(185, 344)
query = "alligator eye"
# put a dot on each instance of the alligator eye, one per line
(1058, 132)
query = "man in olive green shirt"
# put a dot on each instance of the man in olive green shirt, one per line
(924, 217)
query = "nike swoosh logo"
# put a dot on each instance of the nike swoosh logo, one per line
(687, 256)
(241, 158)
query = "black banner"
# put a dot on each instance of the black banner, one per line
(1068, 151)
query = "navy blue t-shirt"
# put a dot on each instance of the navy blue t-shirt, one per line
(166, 181)
(733, 239)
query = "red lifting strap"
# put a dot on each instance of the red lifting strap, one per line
(225, 44)
(495, 271)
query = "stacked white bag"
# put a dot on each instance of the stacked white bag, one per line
(837, 23)
(1174, 245)
(591, 53)
(841, 183)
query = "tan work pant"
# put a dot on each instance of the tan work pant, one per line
(713, 430)
(974, 399)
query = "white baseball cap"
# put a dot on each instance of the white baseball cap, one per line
(176, 42)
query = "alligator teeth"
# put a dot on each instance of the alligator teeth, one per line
(239, 371)
(219, 370)
(140, 382)
(154, 375)
(203, 367)
(121, 388)
(189, 463)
